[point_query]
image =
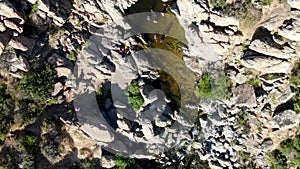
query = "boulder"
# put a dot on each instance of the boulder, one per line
(107, 161)
(291, 31)
(9, 11)
(244, 95)
(22, 43)
(266, 64)
(57, 88)
(294, 3)
(11, 25)
(265, 48)
(286, 120)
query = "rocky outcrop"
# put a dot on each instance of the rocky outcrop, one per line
(82, 32)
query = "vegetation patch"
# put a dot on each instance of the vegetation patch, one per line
(289, 153)
(255, 82)
(37, 86)
(134, 96)
(295, 83)
(243, 124)
(210, 88)
(123, 162)
(5, 116)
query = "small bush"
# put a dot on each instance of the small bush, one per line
(277, 160)
(256, 82)
(244, 156)
(38, 85)
(134, 96)
(289, 152)
(123, 162)
(214, 88)
(266, 2)
(243, 125)
(204, 87)
(218, 3)
(295, 82)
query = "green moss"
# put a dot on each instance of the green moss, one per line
(288, 153)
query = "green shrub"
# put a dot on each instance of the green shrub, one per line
(295, 82)
(38, 85)
(277, 160)
(243, 124)
(245, 47)
(256, 82)
(266, 2)
(218, 3)
(289, 152)
(72, 56)
(244, 156)
(123, 162)
(214, 88)
(5, 112)
(134, 96)
(204, 87)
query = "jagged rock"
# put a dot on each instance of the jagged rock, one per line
(22, 43)
(2, 27)
(20, 64)
(276, 18)
(286, 119)
(291, 31)
(224, 162)
(57, 88)
(58, 60)
(244, 95)
(32, 1)
(295, 14)
(266, 64)
(265, 48)
(63, 71)
(266, 145)
(294, 3)
(228, 133)
(123, 125)
(9, 11)
(60, 16)
(148, 130)
(12, 25)
(107, 161)
(223, 21)
(4, 39)
(193, 11)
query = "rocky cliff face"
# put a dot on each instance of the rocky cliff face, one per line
(252, 45)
